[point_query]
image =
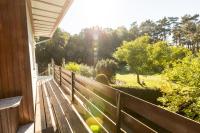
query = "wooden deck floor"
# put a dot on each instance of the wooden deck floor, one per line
(54, 113)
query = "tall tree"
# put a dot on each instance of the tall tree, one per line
(148, 27)
(163, 28)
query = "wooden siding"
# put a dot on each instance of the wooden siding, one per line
(15, 73)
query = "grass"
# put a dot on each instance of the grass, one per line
(130, 80)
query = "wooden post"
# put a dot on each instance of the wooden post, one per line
(54, 72)
(72, 89)
(63, 62)
(118, 123)
(52, 67)
(49, 69)
(60, 70)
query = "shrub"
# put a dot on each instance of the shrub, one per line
(107, 67)
(94, 125)
(95, 128)
(72, 66)
(86, 70)
(102, 78)
(184, 98)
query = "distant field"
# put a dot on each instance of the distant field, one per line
(130, 80)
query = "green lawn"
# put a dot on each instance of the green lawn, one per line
(151, 81)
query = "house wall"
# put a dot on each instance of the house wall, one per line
(16, 69)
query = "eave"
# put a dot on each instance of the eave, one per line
(46, 15)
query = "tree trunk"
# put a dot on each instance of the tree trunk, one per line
(197, 47)
(138, 79)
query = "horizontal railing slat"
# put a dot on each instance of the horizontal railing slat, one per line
(66, 72)
(109, 108)
(108, 123)
(80, 104)
(134, 125)
(106, 91)
(66, 78)
(66, 83)
(168, 120)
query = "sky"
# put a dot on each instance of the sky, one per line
(115, 13)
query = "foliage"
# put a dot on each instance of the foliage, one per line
(183, 100)
(107, 67)
(179, 52)
(95, 128)
(135, 54)
(186, 71)
(94, 125)
(52, 49)
(184, 95)
(102, 78)
(81, 69)
(72, 66)
(147, 94)
(161, 55)
(86, 70)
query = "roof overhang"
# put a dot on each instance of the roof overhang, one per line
(46, 15)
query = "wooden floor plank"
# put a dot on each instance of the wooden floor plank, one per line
(28, 128)
(50, 120)
(43, 118)
(63, 123)
(40, 120)
(74, 121)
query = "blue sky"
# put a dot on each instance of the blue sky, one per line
(114, 13)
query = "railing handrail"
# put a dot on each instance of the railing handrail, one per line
(123, 102)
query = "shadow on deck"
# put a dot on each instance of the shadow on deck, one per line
(54, 112)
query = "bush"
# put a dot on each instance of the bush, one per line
(86, 70)
(147, 94)
(102, 78)
(107, 67)
(72, 66)
(94, 125)
(184, 98)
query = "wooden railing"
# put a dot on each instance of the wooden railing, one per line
(118, 110)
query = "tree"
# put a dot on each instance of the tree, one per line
(134, 31)
(159, 55)
(109, 40)
(163, 28)
(135, 54)
(148, 27)
(51, 49)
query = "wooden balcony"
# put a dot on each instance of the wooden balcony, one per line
(67, 101)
